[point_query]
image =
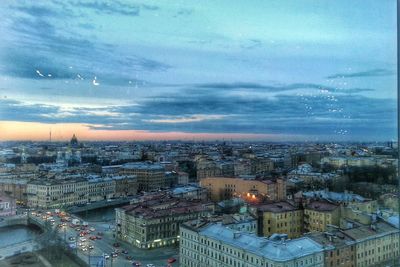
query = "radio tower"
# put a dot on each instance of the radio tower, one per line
(50, 135)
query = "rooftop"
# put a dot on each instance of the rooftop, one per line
(321, 206)
(280, 251)
(364, 232)
(143, 166)
(282, 206)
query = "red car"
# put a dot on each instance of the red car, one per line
(171, 260)
(92, 238)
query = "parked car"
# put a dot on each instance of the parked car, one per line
(124, 251)
(116, 244)
(128, 257)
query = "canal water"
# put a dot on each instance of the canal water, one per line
(98, 215)
(11, 235)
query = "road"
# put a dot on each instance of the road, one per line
(102, 246)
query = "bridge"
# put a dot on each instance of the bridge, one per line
(14, 220)
(27, 246)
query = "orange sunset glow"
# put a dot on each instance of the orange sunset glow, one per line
(13, 130)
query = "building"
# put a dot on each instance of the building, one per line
(100, 188)
(212, 244)
(192, 191)
(150, 176)
(56, 193)
(339, 248)
(279, 218)
(318, 215)
(376, 244)
(221, 188)
(125, 185)
(72, 190)
(14, 187)
(155, 223)
(8, 206)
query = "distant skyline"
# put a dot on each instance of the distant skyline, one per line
(305, 70)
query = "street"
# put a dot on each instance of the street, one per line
(91, 251)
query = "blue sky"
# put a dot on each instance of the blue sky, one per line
(282, 70)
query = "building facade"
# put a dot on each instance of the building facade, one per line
(155, 223)
(212, 244)
(150, 177)
(221, 188)
(318, 215)
(279, 217)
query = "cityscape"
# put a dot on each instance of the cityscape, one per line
(199, 133)
(222, 203)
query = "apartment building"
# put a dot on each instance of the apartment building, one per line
(376, 244)
(150, 176)
(279, 217)
(212, 244)
(221, 188)
(155, 223)
(55, 193)
(339, 248)
(319, 214)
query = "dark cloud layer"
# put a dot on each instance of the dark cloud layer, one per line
(368, 73)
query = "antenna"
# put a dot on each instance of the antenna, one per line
(50, 135)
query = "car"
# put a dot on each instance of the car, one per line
(114, 255)
(171, 260)
(92, 238)
(84, 249)
(92, 229)
(124, 251)
(106, 256)
(71, 238)
(98, 237)
(116, 244)
(91, 247)
(136, 263)
(128, 257)
(150, 265)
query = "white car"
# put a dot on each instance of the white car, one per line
(82, 239)
(106, 256)
(150, 265)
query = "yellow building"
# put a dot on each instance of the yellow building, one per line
(376, 244)
(318, 214)
(280, 217)
(221, 188)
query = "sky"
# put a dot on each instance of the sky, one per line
(287, 70)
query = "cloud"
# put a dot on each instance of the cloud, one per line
(251, 44)
(193, 118)
(110, 8)
(352, 115)
(278, 88)
(40, 44)
(368, 73)
(184, 12)
(115, 7)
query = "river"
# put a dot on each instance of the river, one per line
(16, 234)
